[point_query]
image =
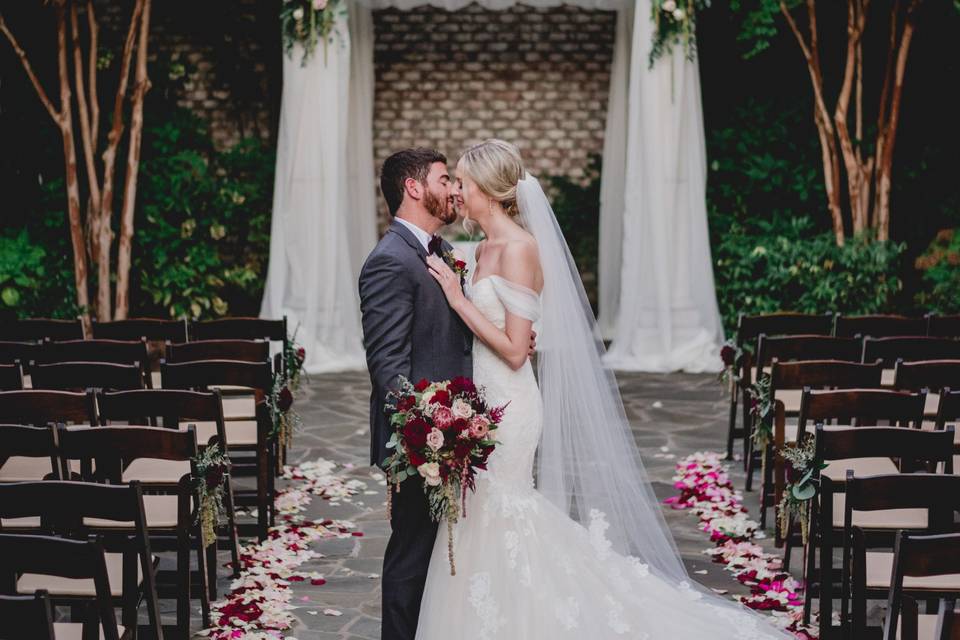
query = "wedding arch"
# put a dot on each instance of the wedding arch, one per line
(656, 295)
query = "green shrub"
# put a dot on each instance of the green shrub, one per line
(34, 282)
(940, 265)
(202, 236)
(785, 265)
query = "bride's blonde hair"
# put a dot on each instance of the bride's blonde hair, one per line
(495, 165)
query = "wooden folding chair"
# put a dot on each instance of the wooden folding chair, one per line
(787, 381)
(26, 617)
(154, 331)
(932, 375)
(66, 510)
(865, 451)
(170, 510)
(34, 329)
(111, 351)
(880, 326)
(11, 377)
(29, 453)
(875, 508)
(176, 409)
(943, 326)
(907, 349)
(749, 329)
(786, 349)
(31, 616)
(78, 376)
(254, 436)
(40, 407)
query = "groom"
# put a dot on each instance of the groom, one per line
(409, 330)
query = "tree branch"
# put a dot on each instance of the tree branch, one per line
(56, 115)
(84, 116)
(92, 72)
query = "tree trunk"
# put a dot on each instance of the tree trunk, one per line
(133, 164)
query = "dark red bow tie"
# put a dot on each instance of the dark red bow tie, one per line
(435, 245)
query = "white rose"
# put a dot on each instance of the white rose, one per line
(462, 409)
(669, 6)
(298, 13)
(678, 14)
(430, 472)
(319, 5)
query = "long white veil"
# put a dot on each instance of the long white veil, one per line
(588, 460)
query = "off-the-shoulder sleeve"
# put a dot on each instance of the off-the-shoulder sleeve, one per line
(519, 300)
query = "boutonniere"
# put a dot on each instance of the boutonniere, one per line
(457, 265)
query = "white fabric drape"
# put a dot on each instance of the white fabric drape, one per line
(495, 5)
(613, 179)
(312, 272)
(668, 317)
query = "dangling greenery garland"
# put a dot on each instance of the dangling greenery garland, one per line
(294, 356)
(308, 22)
(674, 23)
(213, 473)
(285, 419)
(798, 492)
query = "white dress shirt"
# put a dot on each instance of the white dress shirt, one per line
(418, 233)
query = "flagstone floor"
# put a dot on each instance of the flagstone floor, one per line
(672, 415)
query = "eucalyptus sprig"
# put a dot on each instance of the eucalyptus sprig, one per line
(213, 473)
(799, 491)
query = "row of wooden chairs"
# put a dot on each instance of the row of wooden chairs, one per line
(812, 337)
(153, 329)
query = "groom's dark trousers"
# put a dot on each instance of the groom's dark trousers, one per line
(409, 330)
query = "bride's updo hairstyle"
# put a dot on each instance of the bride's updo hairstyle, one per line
(495, 165)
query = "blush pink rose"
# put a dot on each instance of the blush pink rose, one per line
(443, 417)
(435, 439)
(479, 427)
(462, 409)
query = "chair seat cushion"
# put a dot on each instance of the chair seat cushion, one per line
(239, 407)
(32, 522)
(882, 519)
(57, 586)
(926, 626)
(154, 470)
(931, 405)
(240, 433)
(74, 630)
(879, 571)
(790, 399)
(161, 512)
(837, 469)
(887, 377)
(25, 469)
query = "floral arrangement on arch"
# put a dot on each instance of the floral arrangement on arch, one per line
(674, 23)
(308, 22)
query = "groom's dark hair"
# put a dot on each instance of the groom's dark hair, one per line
(409, 163)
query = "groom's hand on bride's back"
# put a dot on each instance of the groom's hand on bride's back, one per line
(533, 343)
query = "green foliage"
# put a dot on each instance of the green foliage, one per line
(760, 22)
(940, 265)
(783, 265)
(202, 235)
(577, 208)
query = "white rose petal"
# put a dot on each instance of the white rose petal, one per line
(669, 6)
(678, 14)
(298, 13)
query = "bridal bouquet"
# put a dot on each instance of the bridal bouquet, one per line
(443, 432)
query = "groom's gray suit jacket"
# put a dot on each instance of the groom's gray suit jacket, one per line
(408, 327)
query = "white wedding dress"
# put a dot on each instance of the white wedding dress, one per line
(525, 569)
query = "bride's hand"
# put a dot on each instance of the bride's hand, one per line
(449, 281)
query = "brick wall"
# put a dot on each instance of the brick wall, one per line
(537, 77)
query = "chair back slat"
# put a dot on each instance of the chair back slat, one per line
(918, 556)
(33, 329)
(22, 352)
(150, 329)
(116, 351)
(861, 406)
(17, 440)
(933, 375)
(39, 406)
(115, 447)
(880, 326)
(909, 349)
(948, 409)
(171, 406)
(66, 503)
(233, 349)
(11, 377)
(239, 328)
(937, 492)
(840, 443)
(26, 617)
(202, 374)
(825, 374)
(943, 326)
(74, 376)
(806, 347)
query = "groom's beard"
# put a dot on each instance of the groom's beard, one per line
(440, 209)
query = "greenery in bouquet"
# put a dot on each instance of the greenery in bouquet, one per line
(213, 473)
(675, 23)
(307, 23)
(801, 486)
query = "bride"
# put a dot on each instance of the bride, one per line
(585, 553)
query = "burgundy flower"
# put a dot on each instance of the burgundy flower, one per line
(284, 400)
(462, 449)
(406, 403)
(415, 433)
(415, 457)
(301, 354)
(440, 397)
(214, 476)
(421, 386)
(727, 354)
(461, 384)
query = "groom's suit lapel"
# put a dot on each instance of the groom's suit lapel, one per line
(408, 237)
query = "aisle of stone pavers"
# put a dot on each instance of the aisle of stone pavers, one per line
(671, 416)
